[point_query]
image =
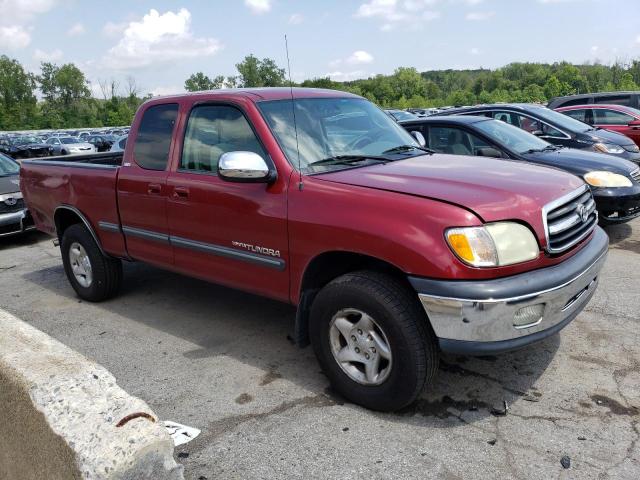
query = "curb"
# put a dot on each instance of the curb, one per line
(65, 417)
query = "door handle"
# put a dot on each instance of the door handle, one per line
(154, 188)
(181, 192)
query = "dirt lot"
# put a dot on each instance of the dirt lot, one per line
(219, 360)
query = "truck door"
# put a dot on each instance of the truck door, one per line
(230, 233)
(142, 187)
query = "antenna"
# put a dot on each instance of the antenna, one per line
(293, 110)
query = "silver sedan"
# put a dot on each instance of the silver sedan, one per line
(70, 146)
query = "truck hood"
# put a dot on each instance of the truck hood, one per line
(580, 162)
(491, 188)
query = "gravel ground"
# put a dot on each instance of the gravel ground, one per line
(219, 360)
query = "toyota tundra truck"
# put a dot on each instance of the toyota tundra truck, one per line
(391, 253)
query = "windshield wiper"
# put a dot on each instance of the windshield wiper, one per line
(406, 148)
(347, 160)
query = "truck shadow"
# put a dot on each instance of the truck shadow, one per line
(254, 331)
(22, 239)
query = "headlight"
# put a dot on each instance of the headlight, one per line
(608, 148)
(607, 179)
(493, 245)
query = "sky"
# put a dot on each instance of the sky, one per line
(161, 42)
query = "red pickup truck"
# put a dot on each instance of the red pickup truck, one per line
(390, 252)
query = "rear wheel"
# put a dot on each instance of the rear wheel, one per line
(372, 340)
(94, 276)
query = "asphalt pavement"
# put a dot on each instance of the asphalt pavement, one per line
(219, 360)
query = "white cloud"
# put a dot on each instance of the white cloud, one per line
(14, 37)
(159, 38)
(595, 49)
(167, 90)
(359, 56)
(258, 7)
(296, 19)
(474, 51)
(411, 13)
(76, 29)
(340, 76)
(15, 16)
(52, 56)
(479, 16)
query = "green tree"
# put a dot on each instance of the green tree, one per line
(259, 73)
(17, 99)
(200, 81)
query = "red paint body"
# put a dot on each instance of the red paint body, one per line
(395, 212)
(630, 129)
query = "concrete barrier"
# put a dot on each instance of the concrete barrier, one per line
(59, 416)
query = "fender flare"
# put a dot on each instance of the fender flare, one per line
(84, 220)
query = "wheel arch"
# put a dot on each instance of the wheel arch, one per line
(66, 215)
(325, 267)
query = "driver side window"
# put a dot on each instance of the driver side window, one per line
(213, 130)
(455, 141)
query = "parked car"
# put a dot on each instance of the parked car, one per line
(556, 128)
(120, 144)
(24, 147)
(390, 253)
(102, 143)
(628, 99)
(69, 146)
(617, 118)
(400, 114)
(615, 182)
(14, 217)
(423, 112)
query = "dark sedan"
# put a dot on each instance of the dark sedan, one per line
(14, 217)
(615, 182)
(24, 147)
(556, 128)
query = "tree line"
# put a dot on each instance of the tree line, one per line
(65, 99)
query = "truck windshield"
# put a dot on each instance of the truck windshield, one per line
(334, 128)
(511, 137)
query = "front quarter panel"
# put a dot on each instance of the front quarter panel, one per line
(403, 230)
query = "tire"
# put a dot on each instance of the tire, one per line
(104, 273)
(63, 152)
(397, 319)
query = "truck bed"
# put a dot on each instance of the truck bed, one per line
(82, 185)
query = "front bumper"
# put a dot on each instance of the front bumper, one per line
(617, 205)
(16, 222)
(479, 317)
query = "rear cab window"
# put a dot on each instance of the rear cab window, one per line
(155, 132)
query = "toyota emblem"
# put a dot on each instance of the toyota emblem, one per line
(10, 202)
(583, 213)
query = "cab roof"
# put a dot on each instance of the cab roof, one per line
(261, 94)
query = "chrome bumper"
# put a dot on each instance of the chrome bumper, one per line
(508, 313)
(20, 221)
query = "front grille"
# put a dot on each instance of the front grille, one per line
(633, 148)
(6, 207)
(569, 219)
(636, 175)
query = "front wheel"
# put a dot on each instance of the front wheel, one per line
(94, 276)
(372, 340)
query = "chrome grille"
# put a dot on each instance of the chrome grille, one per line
(636, 175)
(11, 206)
(569, 219)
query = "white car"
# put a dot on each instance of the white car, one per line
(70, 146)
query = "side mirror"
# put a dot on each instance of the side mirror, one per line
(244, 167)
(488, 152)
(419, 137)
(635, 124)
(538, 133)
